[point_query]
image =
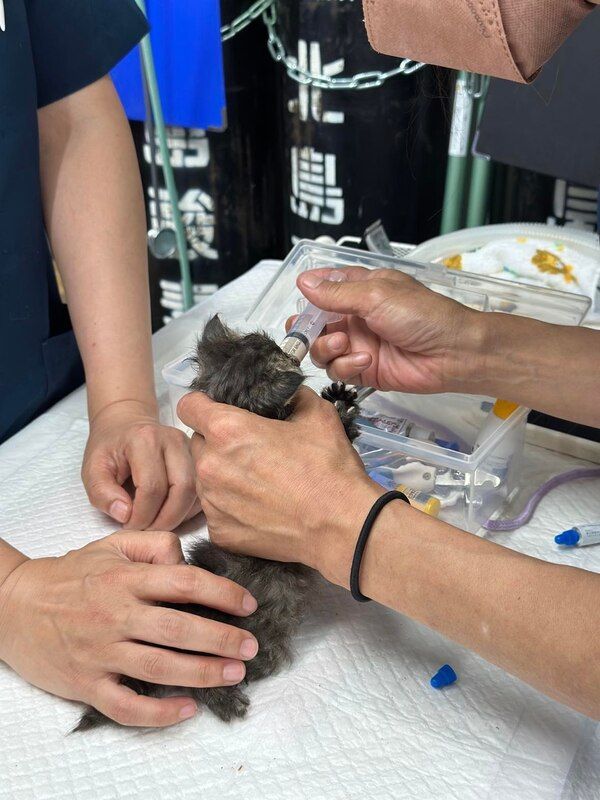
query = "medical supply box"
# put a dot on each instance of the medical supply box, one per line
(440, 448)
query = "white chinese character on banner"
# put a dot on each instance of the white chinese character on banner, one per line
(197, 211)
(310, 98)
(315, 195)
(163, 205)
(188, 148)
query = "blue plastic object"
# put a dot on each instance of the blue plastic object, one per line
(186, 42)
(445, 676)
(448, 445)
(382, 479)
(568, 538)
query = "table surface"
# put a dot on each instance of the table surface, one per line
(353, 717)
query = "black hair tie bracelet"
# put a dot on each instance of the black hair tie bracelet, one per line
(363, 536)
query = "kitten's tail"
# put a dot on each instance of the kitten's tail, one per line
(90, 719)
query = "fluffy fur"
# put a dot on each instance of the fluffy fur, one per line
(253, 373)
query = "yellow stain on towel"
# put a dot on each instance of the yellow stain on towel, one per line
(553, 265)
(521, 239)
(453, 262)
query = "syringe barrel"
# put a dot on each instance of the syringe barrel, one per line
(305, 330)
(308, 326)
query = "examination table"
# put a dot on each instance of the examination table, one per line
(354, 717)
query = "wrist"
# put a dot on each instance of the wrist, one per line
(139, 407)
(10, 566)
(466, 362)
(335, 542)
(513, 355)
(10, 560)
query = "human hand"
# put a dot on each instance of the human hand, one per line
(127, 440)
(72, 625)
(396, 334)
(290, 490)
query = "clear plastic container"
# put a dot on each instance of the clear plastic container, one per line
(282, 298)
(178, 376)
(426, 442)
(436, 453)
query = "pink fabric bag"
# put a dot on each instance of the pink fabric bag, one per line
(509, 39)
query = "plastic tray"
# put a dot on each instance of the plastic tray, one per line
(282, 298)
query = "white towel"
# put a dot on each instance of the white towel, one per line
(535, 261)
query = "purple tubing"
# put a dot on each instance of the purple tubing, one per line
(532, 503)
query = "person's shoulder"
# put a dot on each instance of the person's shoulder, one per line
(76, 42)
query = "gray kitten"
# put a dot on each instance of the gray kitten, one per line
(251, 372)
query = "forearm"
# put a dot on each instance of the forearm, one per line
(537, 620)
(552, 368)
(95, 218)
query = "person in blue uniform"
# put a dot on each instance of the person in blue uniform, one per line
(70, 187)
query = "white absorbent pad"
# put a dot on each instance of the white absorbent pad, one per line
(354, 717)
(534, 261)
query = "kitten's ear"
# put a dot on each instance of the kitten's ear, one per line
(286, 384)
(217, 331)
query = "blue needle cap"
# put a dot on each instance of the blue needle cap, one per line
(445, 676)
(568, 538)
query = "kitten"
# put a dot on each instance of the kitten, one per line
(252, 372)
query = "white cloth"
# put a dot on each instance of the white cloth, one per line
(353, 718)
(535, 261)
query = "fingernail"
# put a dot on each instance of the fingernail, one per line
(337, 343)
(311, 281)
(360, 359)
(249, 604)
(249, 648)
(234, 672)
(187, 711)
(119, 511)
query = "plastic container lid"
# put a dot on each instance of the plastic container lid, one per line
(282, 298)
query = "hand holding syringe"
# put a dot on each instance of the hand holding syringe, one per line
(309, 325)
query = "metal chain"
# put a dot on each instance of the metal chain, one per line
(361, 80)
(244, 19)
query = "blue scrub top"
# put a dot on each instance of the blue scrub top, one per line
(50, 49)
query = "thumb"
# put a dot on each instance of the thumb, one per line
(105, 492)
(356, 296)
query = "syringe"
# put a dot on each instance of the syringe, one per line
(309, 325)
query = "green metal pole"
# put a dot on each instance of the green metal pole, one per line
(157, 112)
(481, 177)
(458, 162)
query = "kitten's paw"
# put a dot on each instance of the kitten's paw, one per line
(338, 391)
(344, 400)
(226, 702)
